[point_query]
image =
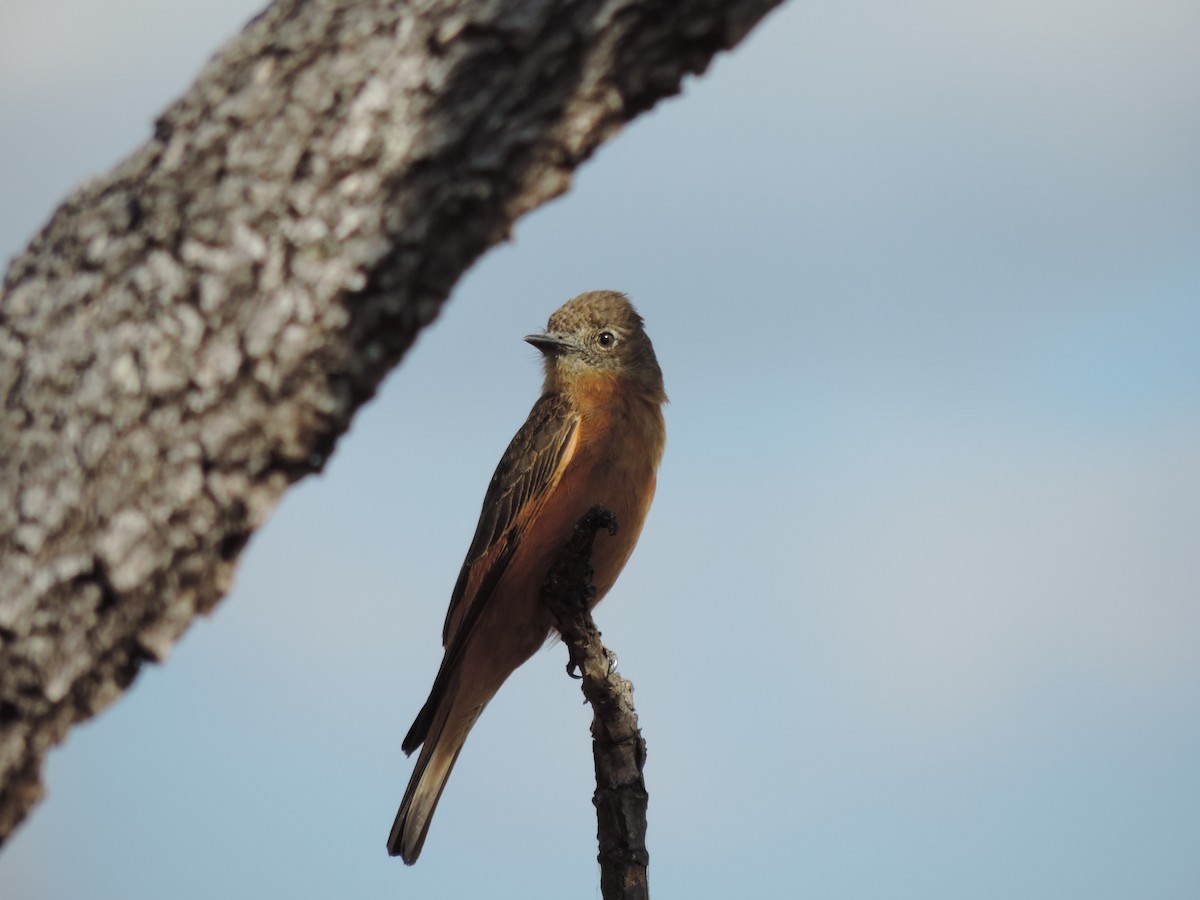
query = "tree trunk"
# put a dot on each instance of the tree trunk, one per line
(190, 334)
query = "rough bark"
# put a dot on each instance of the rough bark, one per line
(191, 333)
(618, 750)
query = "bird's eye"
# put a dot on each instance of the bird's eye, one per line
(606, 338)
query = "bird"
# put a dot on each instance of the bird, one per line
(595, 437)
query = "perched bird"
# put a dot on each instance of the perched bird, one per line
(595, 437)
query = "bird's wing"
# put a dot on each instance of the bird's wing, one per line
(530, 467)
(528, 471)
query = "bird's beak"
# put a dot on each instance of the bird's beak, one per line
(550, 343)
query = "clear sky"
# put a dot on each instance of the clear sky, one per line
(917, 610)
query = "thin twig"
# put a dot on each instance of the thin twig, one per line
(617, 746)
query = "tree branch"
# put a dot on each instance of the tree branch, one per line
(191, 333)
(618, 750)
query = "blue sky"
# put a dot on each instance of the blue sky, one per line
(915, 614)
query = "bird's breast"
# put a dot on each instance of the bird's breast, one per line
(614, 466)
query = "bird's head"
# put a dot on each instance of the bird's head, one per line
(599, 335)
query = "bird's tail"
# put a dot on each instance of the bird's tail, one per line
(441, 728)
(462, 689)
(437, 759)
